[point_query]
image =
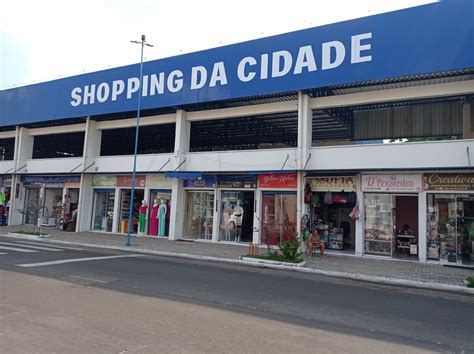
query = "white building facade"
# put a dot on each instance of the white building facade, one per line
(377, 160)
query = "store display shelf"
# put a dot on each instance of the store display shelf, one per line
(374, 240)
(406, 236)
(380, 253)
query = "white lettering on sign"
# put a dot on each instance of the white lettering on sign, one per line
(280, 63)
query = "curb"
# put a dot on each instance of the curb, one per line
(329, 273)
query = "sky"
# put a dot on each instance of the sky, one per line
(49, 39)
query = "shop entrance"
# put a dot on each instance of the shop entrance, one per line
(278, 216)
(32, 207)
(391, 225)
(237, 210)
(450, 228)
(199, 214)
(103, 214)
(330, 217)
(159, 197)
(125, 195)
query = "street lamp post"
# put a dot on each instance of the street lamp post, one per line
(130, 218)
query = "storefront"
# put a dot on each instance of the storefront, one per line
(45, 199)
(450, 217)
(278, 207)
(5, 195)
(391, 215)
(236, 197)
(103, 203)
(200, 194)
(330, 202)
(159, 202)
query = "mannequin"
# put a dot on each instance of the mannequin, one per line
(142, 218)
(225, 225)
(167, 217)
(161, 218)
(154, 219)
(239, 215)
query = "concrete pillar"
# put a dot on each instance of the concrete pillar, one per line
(92, 141)
(85, 205)
(181, 147)
(177, 210)
(23, 152)
(115, 221)
(305, 132)
(422, 227)
(359, 224)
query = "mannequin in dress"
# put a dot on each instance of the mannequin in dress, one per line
(161, 218)
(154, 219)
(167, 217)
(239, 215)
(142, 218)
(226, 225)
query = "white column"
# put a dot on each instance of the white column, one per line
(177, 210)
(92, 140)
(85, 205)
(256, 217)
(23, 152)
(422, 227)
(359, 224)
(181, 147)
(305, 131)
(115, 221)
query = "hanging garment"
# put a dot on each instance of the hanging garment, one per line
(141, 222)
(167, 217)
(154, 220)
(161, 220)
(352, 198)
(328, 198)
(307, 193)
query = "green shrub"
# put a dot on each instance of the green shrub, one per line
(290, 247)
(470, 282)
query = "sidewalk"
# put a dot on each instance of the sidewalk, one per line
(407, 273)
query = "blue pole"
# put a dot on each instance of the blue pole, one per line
(134, 172)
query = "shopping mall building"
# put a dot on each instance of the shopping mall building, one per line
(363, 130)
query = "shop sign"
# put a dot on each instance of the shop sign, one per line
(391, 183)
(72, 184)
(448, 181)
(333, 184)
(104, 181)
(126, 181)
(6, 181)
(201, 182)
(284, 180)
(49, 181)
(158, 181)
(2, 197)
(227, 181)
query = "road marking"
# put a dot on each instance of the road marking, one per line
(33, 247)
(3, 253)
(52, 245)
(16, 249)
(73, 260)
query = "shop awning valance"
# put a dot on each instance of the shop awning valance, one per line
(183, 175)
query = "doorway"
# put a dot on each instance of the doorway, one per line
(125, 195)
(237, 211)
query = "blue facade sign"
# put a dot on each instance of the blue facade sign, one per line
(425, 39)
(204, 181)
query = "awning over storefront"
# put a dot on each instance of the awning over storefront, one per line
(183, 175)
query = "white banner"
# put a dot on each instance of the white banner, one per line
(392, 183)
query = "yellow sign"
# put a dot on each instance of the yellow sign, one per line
(332, 184)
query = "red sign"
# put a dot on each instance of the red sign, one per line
(286, 180)
(126, 181)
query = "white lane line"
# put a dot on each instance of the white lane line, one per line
(2, 253)
(16, 249)
(30, 246)
(73, 260)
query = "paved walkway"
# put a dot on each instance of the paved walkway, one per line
(401, 271)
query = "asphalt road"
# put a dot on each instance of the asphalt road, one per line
(206, 307)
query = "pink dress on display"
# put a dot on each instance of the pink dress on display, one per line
(153, 220)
